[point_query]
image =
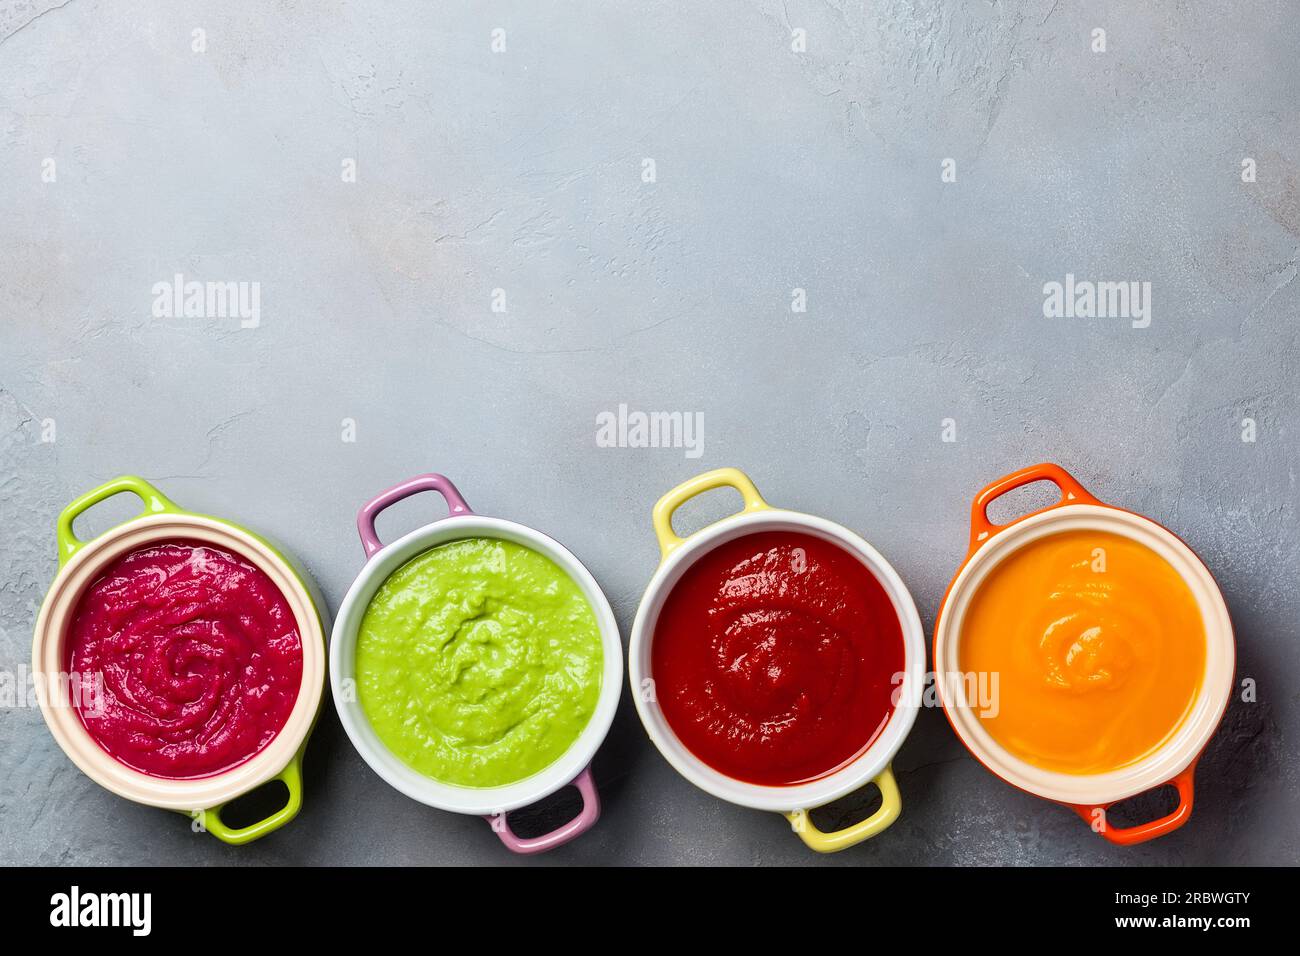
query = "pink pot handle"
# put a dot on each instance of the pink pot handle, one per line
(576, 827)
(370, 510)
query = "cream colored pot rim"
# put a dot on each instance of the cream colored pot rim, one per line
(805, 796)
(483, 801)
(1196, 730)
(61, 717)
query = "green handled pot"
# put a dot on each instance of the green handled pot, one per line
(81, 563)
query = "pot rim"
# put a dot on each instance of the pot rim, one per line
(481, 801)
(1169, 759)
(864, 768)
(48, 650)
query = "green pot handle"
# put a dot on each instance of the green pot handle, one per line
(291, 776)
(155, 502)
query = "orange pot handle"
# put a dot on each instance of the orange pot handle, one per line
(1072, 493)
(1129, 836)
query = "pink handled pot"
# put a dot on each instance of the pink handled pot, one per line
(493, 803)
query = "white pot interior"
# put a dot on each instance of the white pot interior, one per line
(48, 656)
(486, 800)
(803, 796)
(1197, 728)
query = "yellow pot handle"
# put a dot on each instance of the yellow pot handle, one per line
(891, 805)
(718, 478)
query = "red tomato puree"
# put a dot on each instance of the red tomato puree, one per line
(775, 656)
(199, 655)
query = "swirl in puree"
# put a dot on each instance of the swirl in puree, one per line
(198, 656)
(479, 662)
(1098, 645)
(775, 657)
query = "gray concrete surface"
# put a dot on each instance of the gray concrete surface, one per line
(776, 169)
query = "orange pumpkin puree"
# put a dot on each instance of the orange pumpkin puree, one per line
(1099, 648)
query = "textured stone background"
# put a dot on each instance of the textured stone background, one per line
(776, 170)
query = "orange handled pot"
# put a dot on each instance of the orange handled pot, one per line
(1172, 761)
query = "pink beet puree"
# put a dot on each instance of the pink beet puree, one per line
(200, 656)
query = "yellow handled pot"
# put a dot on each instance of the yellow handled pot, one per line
(873, 766)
